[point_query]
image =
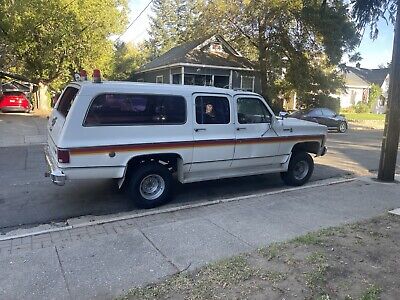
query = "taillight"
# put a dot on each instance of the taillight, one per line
(63, 156)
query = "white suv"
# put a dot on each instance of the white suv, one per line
(141, 134)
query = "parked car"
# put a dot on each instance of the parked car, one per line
(323, 116)
(141, 134)
(13, 99)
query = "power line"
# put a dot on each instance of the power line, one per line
(151, 1)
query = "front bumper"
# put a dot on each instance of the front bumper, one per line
(56, 174)
(322, 151)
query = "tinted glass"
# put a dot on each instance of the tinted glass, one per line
(212, 110)
(66, 100)
(315, 113)
(133, 109)
(328, 112)
(252, 110)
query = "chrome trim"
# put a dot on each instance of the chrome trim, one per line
(56, 174)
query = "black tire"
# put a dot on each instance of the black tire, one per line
(342, 128)
(136, 185)
(291, 177)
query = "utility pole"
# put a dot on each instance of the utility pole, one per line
(390, 142)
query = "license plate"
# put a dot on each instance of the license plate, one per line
(12, 100)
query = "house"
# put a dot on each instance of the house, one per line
(358, 81)
(210, 61)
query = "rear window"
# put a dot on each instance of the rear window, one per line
(135, 109)
(66, 100)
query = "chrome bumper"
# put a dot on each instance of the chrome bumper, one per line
(57, 176)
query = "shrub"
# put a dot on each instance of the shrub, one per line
(361, 107)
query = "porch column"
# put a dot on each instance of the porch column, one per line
(183, 75)
(231, 80)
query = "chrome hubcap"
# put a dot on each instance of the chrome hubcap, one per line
(300, 170)
(342, 127)
(152, 187)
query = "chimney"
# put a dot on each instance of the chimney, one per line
(358, 65)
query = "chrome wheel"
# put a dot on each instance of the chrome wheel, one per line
(342, 127)
(300, 170)
(152, 187)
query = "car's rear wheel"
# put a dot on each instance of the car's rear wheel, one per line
(301, 167)
(342, 127)
(150, 185)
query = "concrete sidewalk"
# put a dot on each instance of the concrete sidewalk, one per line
(105, 260)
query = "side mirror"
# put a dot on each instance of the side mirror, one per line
(283, 114)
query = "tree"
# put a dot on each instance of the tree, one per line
(297, 44)
(173, 22)
(368, 13)
(49, 40)
(127, 58)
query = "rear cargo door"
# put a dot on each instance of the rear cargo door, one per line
(60, 113)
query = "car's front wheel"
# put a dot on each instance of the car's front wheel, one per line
(301, 167)
(150, 185)
(342, 127)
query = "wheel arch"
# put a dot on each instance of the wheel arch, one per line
(309, 147)
(172, 161)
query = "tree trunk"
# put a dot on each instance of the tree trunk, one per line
(390, 143)
(43, 99)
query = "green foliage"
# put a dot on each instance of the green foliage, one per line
(127, 59)
(320, 100)
(361, 107)
(374, 93)
(369, 12)
(49, 40)
(173, 23)
(296, 43)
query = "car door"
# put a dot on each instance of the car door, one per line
(213, 132)
(316, 115)
(329, 116)
(256, 140)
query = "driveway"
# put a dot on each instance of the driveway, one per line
(28, 199)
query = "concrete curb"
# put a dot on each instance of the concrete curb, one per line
(128, 216)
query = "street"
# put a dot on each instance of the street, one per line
(28, 199)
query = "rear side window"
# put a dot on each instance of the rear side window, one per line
(212, 110)
(134, 109)
(66, 100)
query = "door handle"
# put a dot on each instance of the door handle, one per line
(240, 128)
(199, 129)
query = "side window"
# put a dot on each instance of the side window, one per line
(315, 113)
(328, 112)
(66, 100)
(135, 109)
(212, 110)
(252, 111)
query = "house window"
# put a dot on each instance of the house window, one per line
(177, 78)
(247, 83)
(198, 79)
(140, 80)
(160, 79)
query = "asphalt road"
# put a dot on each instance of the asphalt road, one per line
(27, 198)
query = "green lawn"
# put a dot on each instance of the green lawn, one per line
(364, 116)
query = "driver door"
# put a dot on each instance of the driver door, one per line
(257, 143)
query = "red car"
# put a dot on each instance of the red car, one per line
(14, 101)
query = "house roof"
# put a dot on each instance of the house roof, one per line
(376, 76)
(352, 79)
(197, 52)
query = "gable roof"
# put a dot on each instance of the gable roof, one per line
(195, 52)
(376, 76)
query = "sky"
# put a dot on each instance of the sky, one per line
(374, 52)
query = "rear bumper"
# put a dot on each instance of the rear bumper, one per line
(56, 174)
(14, 109)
